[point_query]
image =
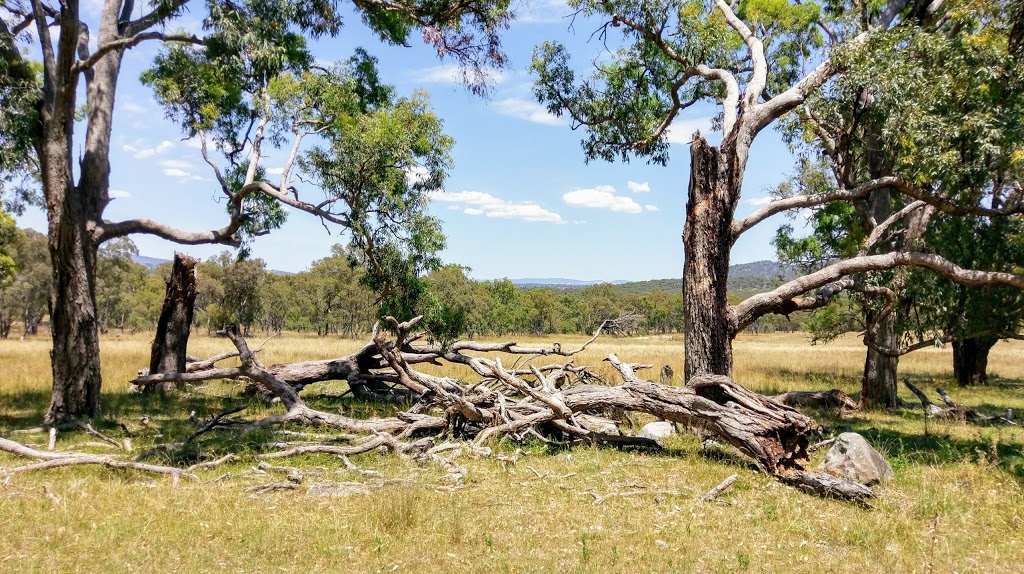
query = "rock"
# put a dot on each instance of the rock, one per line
(851, 457)
(657, 430)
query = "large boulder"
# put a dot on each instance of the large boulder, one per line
(851, 457)
(657, 430)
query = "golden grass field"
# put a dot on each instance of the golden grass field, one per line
(956, 504)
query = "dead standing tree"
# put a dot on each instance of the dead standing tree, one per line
(168, 353)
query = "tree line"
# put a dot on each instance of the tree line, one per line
(331, 298)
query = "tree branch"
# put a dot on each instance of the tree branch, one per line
(759, 77)
(748, 311)
(125, 43)
(741, 226)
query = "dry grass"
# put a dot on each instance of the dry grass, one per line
(955, 504)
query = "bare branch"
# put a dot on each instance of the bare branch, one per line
(746, 312)
(54, 460)
(740, 226)
(126, 43)
(882, 228)
(759, 77)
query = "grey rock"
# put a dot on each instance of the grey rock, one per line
(657, 430)
(851, 457)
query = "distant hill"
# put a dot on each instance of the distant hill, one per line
(558, 283)
(150, 262)
(756, 276)
(153, 262)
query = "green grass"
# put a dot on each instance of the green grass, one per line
(955, 504)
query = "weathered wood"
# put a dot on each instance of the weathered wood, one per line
(828, 486)
(172, 329)
(54, 460)
(718, 490)
(830, 399)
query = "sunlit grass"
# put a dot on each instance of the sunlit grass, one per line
(955, 504)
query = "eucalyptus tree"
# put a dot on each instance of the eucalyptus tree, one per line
(23, 297)
(938, 105)
(759, 60)
(245, 47)
(8, 234)
(118, 277)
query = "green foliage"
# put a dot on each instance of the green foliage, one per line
(25, 295)
(651, 77)
(7, 237)
(119, 286)
(20, 82)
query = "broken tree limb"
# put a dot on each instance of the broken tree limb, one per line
(525, 400)
(954, 411)
(718, 490)
(829, 399)
(54, 460)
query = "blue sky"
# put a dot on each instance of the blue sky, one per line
(520, 201)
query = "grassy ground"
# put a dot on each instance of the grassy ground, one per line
(956, 504)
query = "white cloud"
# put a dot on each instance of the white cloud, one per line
(681, 131)
(638, 187)
(180, 173)
(138, 150)
(451, 75)
(119, 194)
(194, 143)
(416, 174)
(175, 164)
(275, 170)
(131, 107)
(487, 205)
(527, 110)
(759, 201)
(649, 207)
(542, 11)
(602, 197)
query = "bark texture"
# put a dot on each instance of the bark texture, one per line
(168, 354)
(878, 385)
(707, 240)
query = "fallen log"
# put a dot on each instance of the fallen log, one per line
(954, 410)
(527, 400)
(835, 399)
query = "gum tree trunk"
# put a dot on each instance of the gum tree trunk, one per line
(75, 358)
(707, 240)
(74, 211)
(878, 387)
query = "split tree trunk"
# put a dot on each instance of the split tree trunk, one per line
(707, 239)
(172, 330)
(970, 360)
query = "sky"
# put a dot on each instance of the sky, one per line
(520, 201)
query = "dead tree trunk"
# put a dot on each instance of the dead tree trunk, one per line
(172, 330)
(707, 239)
(970, 360)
